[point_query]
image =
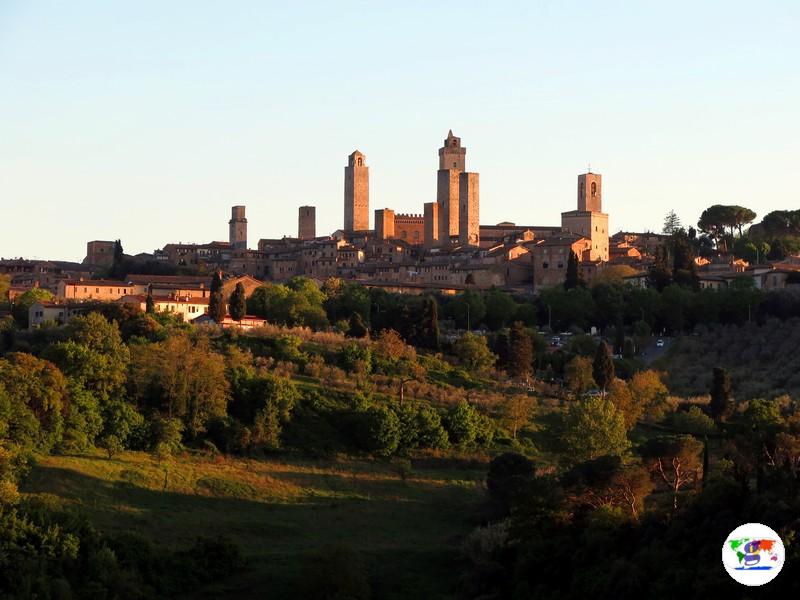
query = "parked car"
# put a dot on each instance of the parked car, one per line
(659, 343)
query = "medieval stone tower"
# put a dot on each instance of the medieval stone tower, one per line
(589, 220)
(356, 193)
(307, 223)
(457, 196)
(237, 228)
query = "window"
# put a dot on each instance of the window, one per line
(360, 162)
(594, 188)
(545, 265)
(455, 165)
(583, 189)
(560, 265)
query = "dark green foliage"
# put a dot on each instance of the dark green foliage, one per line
(238, 303)
(378, 430)
(150, 306)
(463, 423)
(603, 366)
(500, 309)
(334, 573)
(520, 355)
(118, 267)
(722, 404)
(573, 277)
(357, 327)
(355, 357)
(216, 303)
(509, 477)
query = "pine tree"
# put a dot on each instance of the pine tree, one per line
(721, 405)
(603, 366)
(238, 303)
(672, 223)
(216, 303)
(520, 356)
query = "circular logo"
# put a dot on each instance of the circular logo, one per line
(753, 554)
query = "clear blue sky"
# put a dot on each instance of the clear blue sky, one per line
(147, 120)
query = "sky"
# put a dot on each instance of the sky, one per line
(146, 121)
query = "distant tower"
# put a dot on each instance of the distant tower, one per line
(384, 223)
(356, 193)
(468, 217)
(307, 223)
(431, 219)
(590, 192)
(452, 158)
(589, 220)
(238, 228)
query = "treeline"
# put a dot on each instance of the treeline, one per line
(622, 517)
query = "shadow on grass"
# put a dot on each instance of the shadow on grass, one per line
(410, 547)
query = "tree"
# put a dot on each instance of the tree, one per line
(5, 285)
(509, 476)
(357, 327)
(23, 303)
(518, 410)
(216, 302)
(238, 302)
(378, 430)
(649, 393)
(473, 352)
(180, 379)
(468, 309)
(462, 423)
(118, 267)
(621, 397)
(150, 305)
(573, 277)
(427, 331)
(603, 366)
(500, 309)
(593, 427)
(674, 460)
(721, 406)
(672, 223)
(37, 395)
(520, 356)
(578, 375)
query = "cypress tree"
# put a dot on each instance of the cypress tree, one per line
(603, 366)
(357, 328)
(573, 277)
(428, 330)
(216, 303)
(150, 305)
(238, 303)
(721, 405)
(520, 357)
(118, 262)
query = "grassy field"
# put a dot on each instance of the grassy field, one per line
(407, 529)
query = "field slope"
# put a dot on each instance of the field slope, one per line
(408, 529)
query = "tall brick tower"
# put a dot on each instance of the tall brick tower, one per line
(356, 193)
(468, 217)
(589, 220)
(237, 228)
(590, 192)
(452, 159)
(307, 223)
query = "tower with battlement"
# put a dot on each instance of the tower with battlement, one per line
(237, 228)
(356, 193)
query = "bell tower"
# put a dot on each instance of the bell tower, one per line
(356, 193)
(590, 192)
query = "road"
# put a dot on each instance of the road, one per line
(652, 352)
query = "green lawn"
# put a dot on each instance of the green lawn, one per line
(408, 531)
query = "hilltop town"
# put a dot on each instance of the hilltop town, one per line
(444, 249)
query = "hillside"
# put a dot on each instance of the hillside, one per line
(408, 529)
(762, 359)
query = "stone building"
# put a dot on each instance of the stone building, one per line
(431, 218)
(307, 223)
(99, 253)
(237, 235)
(589, 220)
(356, 193)
(469, 205)
(457, 196)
